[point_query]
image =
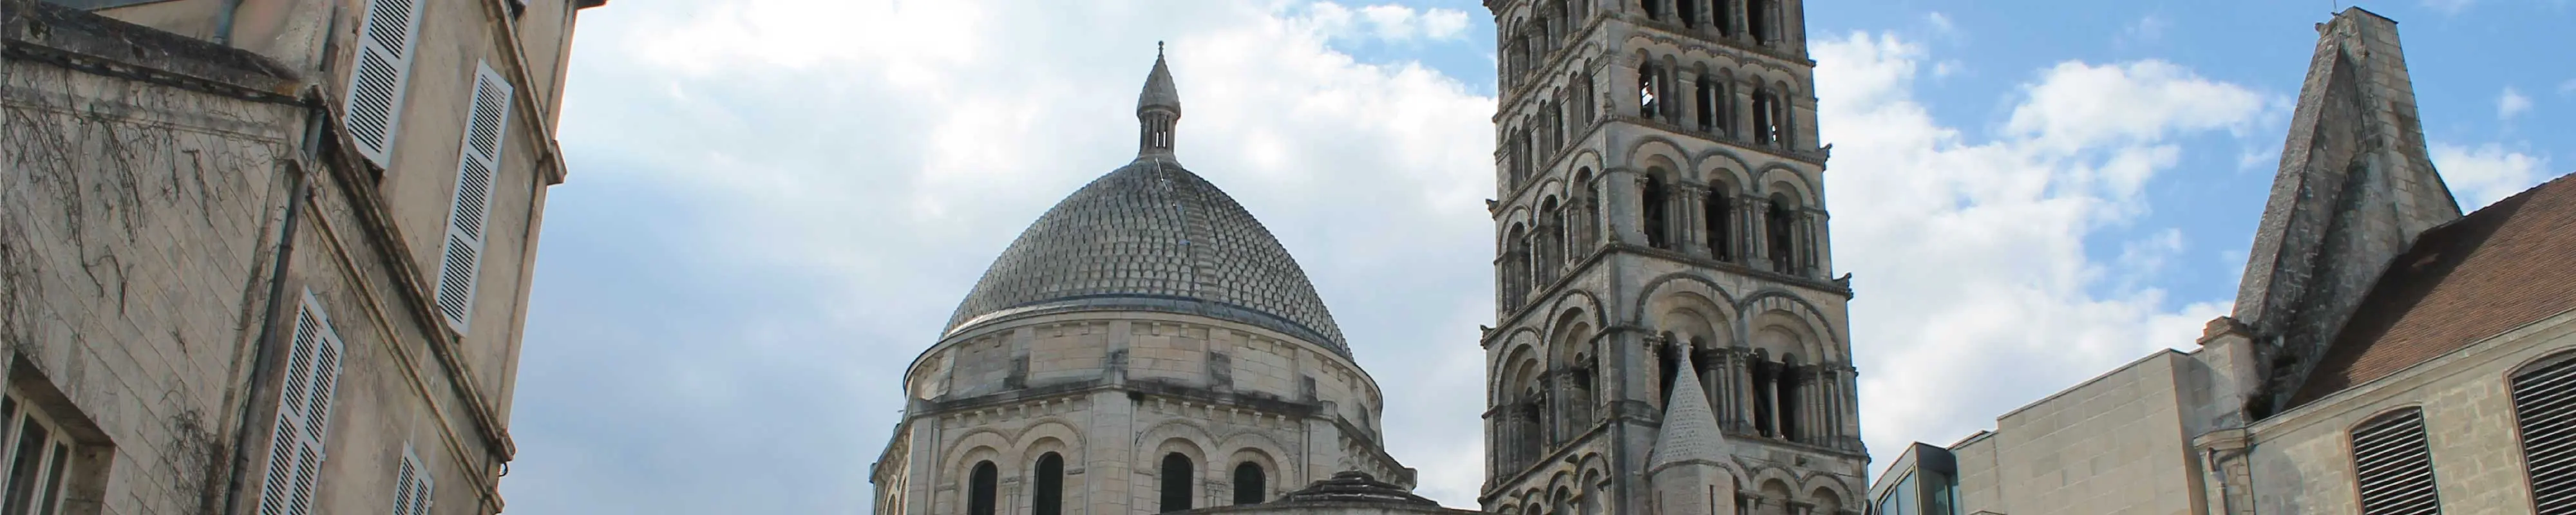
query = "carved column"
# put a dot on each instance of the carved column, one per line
(1744, 391)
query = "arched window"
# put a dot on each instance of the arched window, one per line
(1249, 483)
(1177, 474)
(2544, 406)
(1765, 383)
(1690, 12)
(1654, 9)
(1757, 20)
(1551, 241)
(1649, 90)
(1787, 392)
(981, 486)
(2392, 465)
(1705, 95)
(1780, 228)
(1047, 496)
(1516, 268)
(1724, 22)
(1766, 117)
(1657, 235)
(1720, 215)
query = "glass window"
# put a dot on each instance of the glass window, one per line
(34, 456)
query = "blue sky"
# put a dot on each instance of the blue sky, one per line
(774, 204)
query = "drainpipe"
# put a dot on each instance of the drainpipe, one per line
(224, 22)
(314, 121)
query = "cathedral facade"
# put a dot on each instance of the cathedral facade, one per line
(1146, 346)
(1670, 335)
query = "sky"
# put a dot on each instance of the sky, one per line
(774, 205)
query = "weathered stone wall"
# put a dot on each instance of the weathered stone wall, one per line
(2302, 459)
(1113, 392)
(137, 222)
(143, 215)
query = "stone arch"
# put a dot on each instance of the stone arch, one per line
(979, 443)
(1676, 283)
(1182, 436)
(1048, 428)
(1782, 178)
(1820, 485)
(2536, 363)
(1640, 155)
(1274, 476)
(1719, 164)
(1825, 501)
(1813, 321)
(1776, 495)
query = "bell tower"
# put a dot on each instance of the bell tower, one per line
(1660, 211)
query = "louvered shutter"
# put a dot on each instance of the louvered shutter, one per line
(412, 485)
(2393, 465)
(2544, 404)
(461, 257)
(303, 413)
(385, 43)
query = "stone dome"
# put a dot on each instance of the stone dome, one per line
(1152, 236)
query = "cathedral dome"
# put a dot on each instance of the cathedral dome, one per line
(1151, 236)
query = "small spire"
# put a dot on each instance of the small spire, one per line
(1690, 428)
(1158, 108)
(1158, 87)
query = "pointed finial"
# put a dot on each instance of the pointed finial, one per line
(1158, 108)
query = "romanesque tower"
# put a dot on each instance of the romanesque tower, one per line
(1660, 213)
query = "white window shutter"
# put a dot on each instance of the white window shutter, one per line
(460, 258)
(412, 485)
(303, 413)
(385, 43)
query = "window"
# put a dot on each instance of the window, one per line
(412, 482)
(1249, 483)
(1690, 12)
(1654, 10)
(1647, 89)
(1766, 119)
(376, 87)
(37, 456)
(1177, 471)
(1721, 222)
(305, 394)
(1048, 497)
(1654, 206)
(982, 485)
(2544, 406)
(461, 258)
(2393, 465)
(1706, 95)
(1757, 20)
(1781, 224)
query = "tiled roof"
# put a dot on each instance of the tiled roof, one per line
(2486, 273)
(1152, 236)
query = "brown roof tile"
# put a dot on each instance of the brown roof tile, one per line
(2509, 264)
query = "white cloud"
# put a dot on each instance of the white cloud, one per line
(2448, 6)
(2079, 105)
(2511, 103)
(843, 170)
(2567, 88)
(1387, 22)
(1940, 23)
(2488, 173)
(1976, 294)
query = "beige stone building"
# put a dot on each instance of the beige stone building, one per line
(1145, 346)
(269, 256)
(1670, 334)
(2387, 355)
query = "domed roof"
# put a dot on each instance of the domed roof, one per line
(1151, 236)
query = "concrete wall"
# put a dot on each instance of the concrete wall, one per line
(2115, 444)
(2302, 460)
